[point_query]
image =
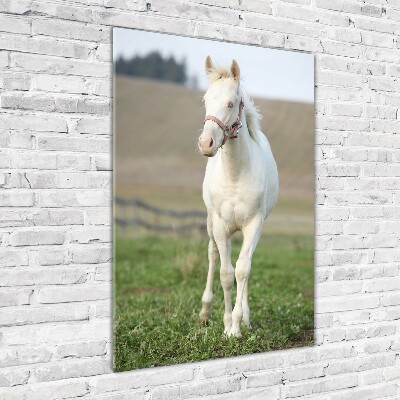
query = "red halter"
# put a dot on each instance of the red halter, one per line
(231, 130)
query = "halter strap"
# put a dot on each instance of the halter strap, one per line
(230, 131)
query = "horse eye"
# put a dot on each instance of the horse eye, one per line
(230, 104)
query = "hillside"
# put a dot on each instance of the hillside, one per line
(158, 123)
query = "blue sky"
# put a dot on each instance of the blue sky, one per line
(265, 72)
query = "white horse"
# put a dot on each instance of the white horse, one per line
(240, 187)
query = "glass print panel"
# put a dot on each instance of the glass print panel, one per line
(182, 292)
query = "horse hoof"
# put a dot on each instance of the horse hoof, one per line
(235, 334)
(204, 321)
(248, 324)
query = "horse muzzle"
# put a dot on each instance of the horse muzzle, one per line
(207, 145)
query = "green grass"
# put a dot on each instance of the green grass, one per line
(159, 281)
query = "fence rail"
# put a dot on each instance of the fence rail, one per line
(137, 213)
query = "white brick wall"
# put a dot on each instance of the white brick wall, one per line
(55, 221)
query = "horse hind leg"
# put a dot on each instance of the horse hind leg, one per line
(207, 297)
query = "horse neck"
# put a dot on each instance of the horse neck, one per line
(235, 154)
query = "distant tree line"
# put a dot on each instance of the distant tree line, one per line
(153, 66)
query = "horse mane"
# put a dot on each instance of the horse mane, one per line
(218, 73)
(253, 118)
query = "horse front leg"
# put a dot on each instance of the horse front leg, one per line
(227, 277)
(245, 305)
(251, 235)
(227, 273)
(208, 292)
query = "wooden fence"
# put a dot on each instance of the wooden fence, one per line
(135, 213)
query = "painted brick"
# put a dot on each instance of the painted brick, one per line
(352, 110)
(58, 65)
(98, 145)
(107, 384)
(102, 162)
(70, 30)
(264, 379)
(238, 34)
(35, 315)
(12, 377)
(330, 289)
(15, 297)
(75, 293)
(351, 65)
(58, 390)
(53, 257)
(84, 255)
(147, 22)
(51, 103)
(359, 302)
(200, 12)
(378, 40)
(33, 122)
(302, 43)
(14, 25)
(307, 372)
(25, 199)
(102, 309)
(94, 126)
(300, 389)
(230, 367)
(55, 217)
(258, 6)
(27, 102)
(68, 84)
(211, 387)
(104, 273)
(54, 334)
(341, 49)
(90, 234)
(24, 356)
(99, 216)
(44, 276)
(19, 7)
(46, 46)
(307, 14)
(64, 12)
(34, 238)
(72, 198)
(81, 349)
(14, 140)
(374, 392)
(16, 81)
(13, 258)
(70, 369)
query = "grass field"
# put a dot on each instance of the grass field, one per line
(159, 281)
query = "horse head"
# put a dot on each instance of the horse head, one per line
(223, 105)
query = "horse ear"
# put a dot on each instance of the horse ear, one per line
(209, 65)
(235, 70)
